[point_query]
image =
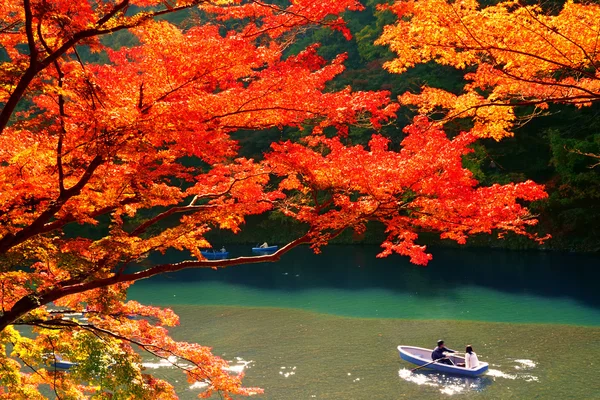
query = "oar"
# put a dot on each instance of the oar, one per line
(429, 363)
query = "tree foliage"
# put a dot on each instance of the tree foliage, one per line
(514, 55)
(82, 141)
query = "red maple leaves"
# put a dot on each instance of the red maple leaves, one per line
(106, 147)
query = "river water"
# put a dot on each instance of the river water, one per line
(327, 326)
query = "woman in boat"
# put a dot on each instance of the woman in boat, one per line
(471, 360)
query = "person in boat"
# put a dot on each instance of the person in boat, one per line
(223, 249)
(438, 353)
(471, 360)
(264, 245)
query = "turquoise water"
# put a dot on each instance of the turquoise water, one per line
(327, 326)
(458, 284)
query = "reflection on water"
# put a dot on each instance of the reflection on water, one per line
(170, 362)
(525, 364)
(447, 384)
(198, 385)
(236, 367)
(290, 371)
(239, 365)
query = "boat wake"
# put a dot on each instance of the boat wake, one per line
(451, 385)
(447, 384)
(236, 366)
(522, 368)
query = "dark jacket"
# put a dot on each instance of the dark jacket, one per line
(438, 352)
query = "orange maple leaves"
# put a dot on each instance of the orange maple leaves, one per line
(113, 140)
(108, 145)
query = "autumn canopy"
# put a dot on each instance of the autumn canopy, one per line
(95, 170)
(515, 55)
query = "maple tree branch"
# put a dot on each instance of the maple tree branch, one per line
(258, 97)
(464, 25)
(173, 210)
(148, 348)
(577, 151)
(130, 22)
(121, 6)
(33, 52)
(487, 48)
(57, 324)
(88, 82)
(556, 31)
(10, 240)
(59, 223)
(284, 11)
(278, 108)
(33, 300)
(568, 100)
(140, 105)
(316, 200)
(546, 83)
(11, 103)
(281, 25)
(63, 131)
(447, 221)
(596, 42)
(335, 233)
(76, 189)
(544, 38)
(284, 24)
(35, 371)
(55, 360)
(144, 110)
(28, 75)
(7, 28)
(61, 109)
(190, 207)
(36, 66)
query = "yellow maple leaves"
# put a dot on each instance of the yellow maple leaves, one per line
(522, 55)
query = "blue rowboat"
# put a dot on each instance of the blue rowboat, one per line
(264, 250)
(214, 255)
(56, 362)
(421, 356)
(62, 364)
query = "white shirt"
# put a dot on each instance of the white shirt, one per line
(471, 360)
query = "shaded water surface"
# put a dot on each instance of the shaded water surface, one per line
(487, 285)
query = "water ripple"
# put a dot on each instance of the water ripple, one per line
(290, 371)
(447, 384)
